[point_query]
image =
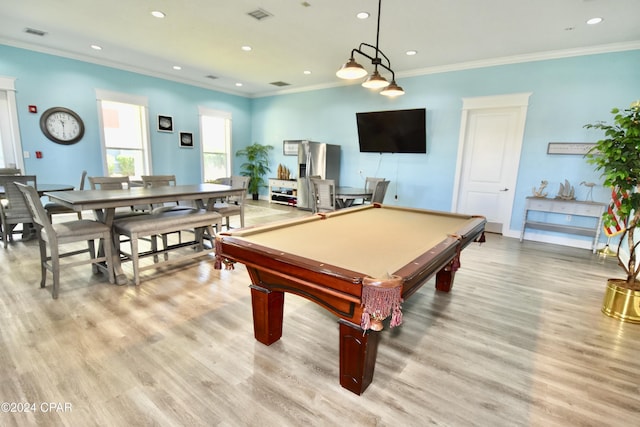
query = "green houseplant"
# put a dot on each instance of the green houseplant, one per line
(617, 157)
(256, 166)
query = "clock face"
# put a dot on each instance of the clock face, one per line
(62, 125)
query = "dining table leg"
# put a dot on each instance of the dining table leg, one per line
(342, 203)
(106, 217)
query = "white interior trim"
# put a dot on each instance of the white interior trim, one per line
(125, 98)
(514, 100)
(204, 111)
(7, 83)
(11, 133)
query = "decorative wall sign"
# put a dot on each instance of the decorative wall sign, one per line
(290, 148)
(186, 140)
(165, 123)
(581, 148)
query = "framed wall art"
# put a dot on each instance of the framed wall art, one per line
(186, 140)
(165, 123)
(290, 148)
(581, 148)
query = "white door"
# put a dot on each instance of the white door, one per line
(488, 157)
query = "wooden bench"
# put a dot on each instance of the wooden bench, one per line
(161, 223)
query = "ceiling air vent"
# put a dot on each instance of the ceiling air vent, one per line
(211, 76)
(259, 14)
(280, 84)
(34, 32)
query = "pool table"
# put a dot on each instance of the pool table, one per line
(334, 259)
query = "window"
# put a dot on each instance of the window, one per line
(10, 145)
(215, 129)
(125, 135)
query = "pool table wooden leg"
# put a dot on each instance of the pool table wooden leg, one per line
(358, 353)
(268, 308)
(444, 277)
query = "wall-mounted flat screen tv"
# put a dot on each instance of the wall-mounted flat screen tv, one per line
(397, 131)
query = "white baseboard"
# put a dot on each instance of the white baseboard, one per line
(555, 240)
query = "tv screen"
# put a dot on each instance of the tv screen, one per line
(399, 131)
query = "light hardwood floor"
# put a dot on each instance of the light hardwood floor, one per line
(520, 341)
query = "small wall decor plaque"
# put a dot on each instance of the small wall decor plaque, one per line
(581, 148)
(290, 148)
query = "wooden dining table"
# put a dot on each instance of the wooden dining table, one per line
(345, 196)
(42, 188)
(105, 202)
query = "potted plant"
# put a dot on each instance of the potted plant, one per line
(256, 166)
(617, 156)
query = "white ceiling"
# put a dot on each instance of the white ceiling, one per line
(204, 37)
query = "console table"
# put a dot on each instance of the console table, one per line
(283, 191)
(565, 207)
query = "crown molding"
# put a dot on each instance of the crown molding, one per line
(506, 60)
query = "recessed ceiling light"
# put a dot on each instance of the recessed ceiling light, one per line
(177, 67)
(594, 21)
(362, 15)
(239, 84)
(247, 48)
(158, 14)
(307, 72)
(411, 52)
(96, 47)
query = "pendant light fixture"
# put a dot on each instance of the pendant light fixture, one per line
(352, 70)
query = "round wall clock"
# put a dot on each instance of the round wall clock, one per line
(62, 125)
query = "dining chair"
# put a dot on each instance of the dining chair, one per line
(10, 171)
(114, 183)
(310, 190)
(238, 181)
(151, 181)
(14, 210)
(233, 205)
(53, 208)
(370, 185)
(225, 180)
(56, 235)
(324, 195)
(109, 182)
(379, 191)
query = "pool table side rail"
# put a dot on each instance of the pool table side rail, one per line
(250, 230)
(320, 282)
(420, 270)
(258, 256)
(337, 290)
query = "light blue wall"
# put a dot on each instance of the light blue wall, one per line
(48, 81)
(566, 94)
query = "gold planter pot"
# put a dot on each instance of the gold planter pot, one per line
(620, 302)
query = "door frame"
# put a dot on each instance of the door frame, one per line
(518, 101)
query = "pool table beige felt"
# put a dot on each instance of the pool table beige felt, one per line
(327, 257)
